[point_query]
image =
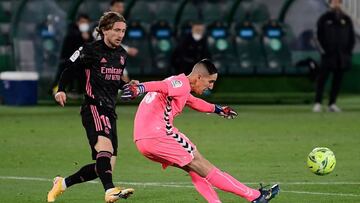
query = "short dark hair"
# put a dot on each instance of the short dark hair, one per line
(107, 21)
(332, 0)
(197, 22)
(112, 2)
(210, 67)
(82, 16)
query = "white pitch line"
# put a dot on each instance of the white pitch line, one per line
(160, 184)
(182, 185)
(321, 193)
(317, 183)
(187, 183)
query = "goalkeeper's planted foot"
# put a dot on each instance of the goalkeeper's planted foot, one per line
(113, 194)
(267, 194)
(57, 189)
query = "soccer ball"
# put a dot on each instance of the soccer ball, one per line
(321, 161)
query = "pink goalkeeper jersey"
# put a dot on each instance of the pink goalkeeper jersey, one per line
(164, 101)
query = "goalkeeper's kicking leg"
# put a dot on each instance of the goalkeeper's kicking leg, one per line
(202, 186)
(204, 175)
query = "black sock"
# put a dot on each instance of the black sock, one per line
(86, 173)
(103, 168)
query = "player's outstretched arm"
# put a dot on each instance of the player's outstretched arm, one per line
(203, 106)
(225, 111)
(199, 104)
(133, 90)
(60, 98)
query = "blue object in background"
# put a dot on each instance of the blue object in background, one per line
(274, 33)
(19, 88)
(163, 33)
(218, 33)
(135, 34)
(246, 33)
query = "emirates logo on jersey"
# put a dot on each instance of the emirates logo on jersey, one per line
(122, 60)
(111, 73)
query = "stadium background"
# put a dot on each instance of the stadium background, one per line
(251, 67)
(266, 143)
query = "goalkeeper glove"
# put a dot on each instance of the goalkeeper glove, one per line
(225, 112)
(131, 91)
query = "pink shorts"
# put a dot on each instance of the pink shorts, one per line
(168, 150)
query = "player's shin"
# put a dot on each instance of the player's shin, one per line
(86, 173)
(204, 188)
(103, 168)
(227, 183)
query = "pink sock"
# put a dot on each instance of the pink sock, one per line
(204, 188)
(227, 183)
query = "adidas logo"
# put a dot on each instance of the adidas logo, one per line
(103, 60)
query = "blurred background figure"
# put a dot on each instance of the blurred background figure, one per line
(336, 38)
(192, 48)
(119, 7)
(285, 51)
(47, 42)
(78, 33)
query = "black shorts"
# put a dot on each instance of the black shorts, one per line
(97, 122)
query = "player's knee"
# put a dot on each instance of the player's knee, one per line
(104, 144)
(198, 158)
(100, 148)
(200, 165)
(198, 168)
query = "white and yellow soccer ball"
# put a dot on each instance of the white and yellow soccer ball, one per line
(321, 161)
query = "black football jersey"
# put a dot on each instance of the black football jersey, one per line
(102, 68)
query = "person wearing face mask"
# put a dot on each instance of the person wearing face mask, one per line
(336, 37)
(78, 33)
(191, 49)
(119, 7)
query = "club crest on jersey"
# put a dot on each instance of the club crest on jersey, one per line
(122, 60)
(176, 83)
(107, 131)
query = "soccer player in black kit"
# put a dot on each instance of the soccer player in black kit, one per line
(102, 62)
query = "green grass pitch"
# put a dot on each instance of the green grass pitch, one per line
(266, 143)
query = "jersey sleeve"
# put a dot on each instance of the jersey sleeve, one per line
(352, 34)
(320, 25)
(74, 65)
(172, 87)
(177, 86)
(156, 86)
(200, 105)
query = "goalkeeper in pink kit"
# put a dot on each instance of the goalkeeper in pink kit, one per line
(157, 139)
